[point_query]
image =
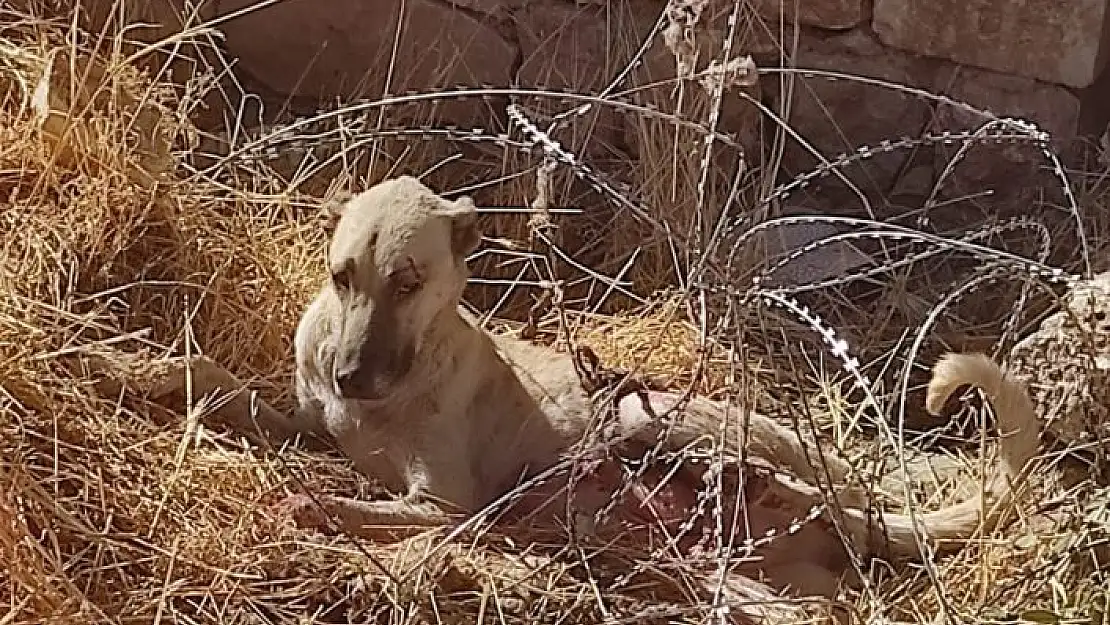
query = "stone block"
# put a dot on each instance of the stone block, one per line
(1094, 102)
(831, 14)
(822, 263)
(836, 116)
(1057, 42)
(296, 48)
(581, 49)
(577, 47)
(488, 6)
(1014, 173)
(1053, 108)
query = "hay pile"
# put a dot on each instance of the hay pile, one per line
(113, 510)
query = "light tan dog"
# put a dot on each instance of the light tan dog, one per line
(417, 396)
(450, 418)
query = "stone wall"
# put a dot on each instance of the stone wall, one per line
(1037, 59)
(1033, 58)
(915, 63)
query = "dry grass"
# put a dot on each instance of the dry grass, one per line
(112, 510)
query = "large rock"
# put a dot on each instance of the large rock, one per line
(831, 14)
(1013, 172)
(574, 47)
(153, 21)
(580, 49)
(296, 48)
(821, 263)
(1058, 42)
(839, 116)
(1094, 116)
(488, 6)
(149, 20)
(1053, 108)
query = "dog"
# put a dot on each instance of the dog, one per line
(450, 418)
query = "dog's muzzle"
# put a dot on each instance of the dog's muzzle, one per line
(356, 383)
(373, 378)
(350, 384)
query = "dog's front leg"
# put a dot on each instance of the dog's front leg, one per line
(367, 519)
(237, 410)
(200, 376)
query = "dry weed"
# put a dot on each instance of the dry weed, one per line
(113, 511)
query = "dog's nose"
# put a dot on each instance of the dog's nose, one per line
(347, 383)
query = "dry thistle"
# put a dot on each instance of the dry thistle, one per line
(682, 17)
(736, 72)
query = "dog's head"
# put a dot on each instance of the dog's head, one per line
(398, 261)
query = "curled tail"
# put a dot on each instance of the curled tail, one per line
(1018, 428)
(1017, 422)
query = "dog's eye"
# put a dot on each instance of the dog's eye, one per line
(408, 288)
(341, 278)
(405, 281)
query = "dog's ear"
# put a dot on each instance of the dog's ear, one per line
(332, 209)
(465, 234)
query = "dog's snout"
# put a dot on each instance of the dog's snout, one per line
(371, 361)
(362, 382)
(347, 382)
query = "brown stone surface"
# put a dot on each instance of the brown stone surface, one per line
(577, 47)
(832, 14)
(1058, 42)
(838, 116)
(580, 48)
(296, 48)
(1013, 172)
(160, 18)
(1094, 104)
(1053, 108)
(488, 6)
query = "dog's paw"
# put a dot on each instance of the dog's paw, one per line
(305, 511)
